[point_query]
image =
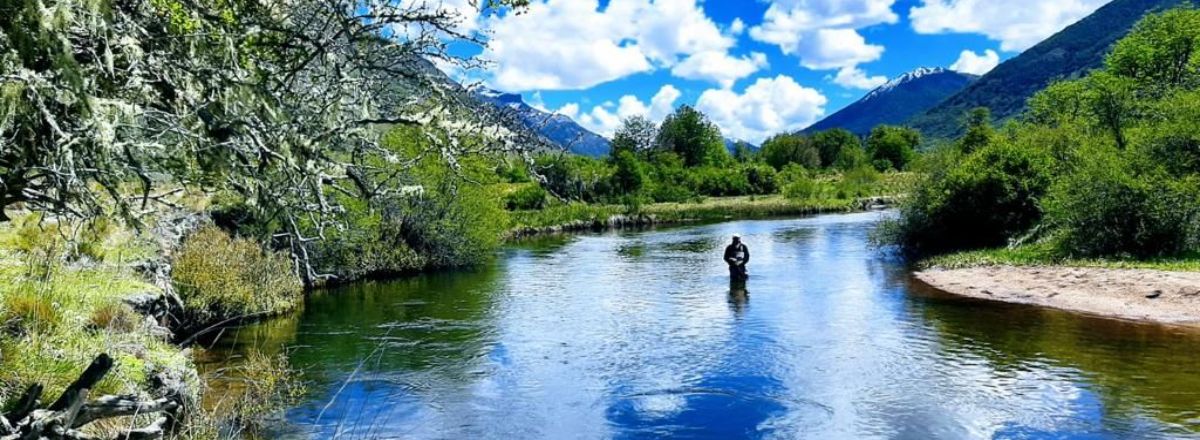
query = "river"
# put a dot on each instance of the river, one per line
(641, 335)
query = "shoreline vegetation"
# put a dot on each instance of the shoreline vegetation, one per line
(1088, 201)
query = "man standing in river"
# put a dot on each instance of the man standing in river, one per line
(737, 255)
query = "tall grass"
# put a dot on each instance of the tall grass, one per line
(220, 277)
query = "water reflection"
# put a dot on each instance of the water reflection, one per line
(642, 335)
(739, 297)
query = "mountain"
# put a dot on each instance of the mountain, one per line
(558, 129)
(896, 101)
(1070, 53)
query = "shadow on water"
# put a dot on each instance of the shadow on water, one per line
(642, 335)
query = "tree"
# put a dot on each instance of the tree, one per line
(832, 143)
(690, 134)
(978, 131)
(786, 148)
(892, 147)
(1162, 51)
(282, 105)
(637, 134)
(742, 152)
(629, 177)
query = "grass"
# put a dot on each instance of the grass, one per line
(1044, 255)
(220, 277)
(60, 307)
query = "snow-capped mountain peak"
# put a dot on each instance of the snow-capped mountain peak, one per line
(905, 78)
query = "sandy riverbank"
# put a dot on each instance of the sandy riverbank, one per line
(1135, 294)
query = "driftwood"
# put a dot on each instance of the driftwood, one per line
(72, 410)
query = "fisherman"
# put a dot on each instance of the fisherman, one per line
(737, 255)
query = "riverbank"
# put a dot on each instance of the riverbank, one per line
(1164, 290)
(1133, 294)
(581, 217)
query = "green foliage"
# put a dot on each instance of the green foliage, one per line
(220, 277)
(742, 152)
(859, 182)
(986, 199)
(696, 140)
(979, 131)
(783, 149)
(837, 147)
(1162, 52)
(891, 147)
(636, 135)
(526, 197)
(629, 178)
(1106, 207)
(574, 177)
(802, 187)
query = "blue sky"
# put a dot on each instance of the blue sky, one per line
(756, 67)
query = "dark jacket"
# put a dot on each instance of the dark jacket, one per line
(732, 250)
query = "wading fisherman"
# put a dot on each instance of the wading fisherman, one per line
(737, 255)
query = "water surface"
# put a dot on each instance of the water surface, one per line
(633, 335)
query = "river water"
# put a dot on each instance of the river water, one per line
(641, 335)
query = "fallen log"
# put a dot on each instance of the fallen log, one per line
(72, 410)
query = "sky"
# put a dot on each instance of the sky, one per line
(755, 67)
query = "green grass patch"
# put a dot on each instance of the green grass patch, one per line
(60, 308)
(1045, 255)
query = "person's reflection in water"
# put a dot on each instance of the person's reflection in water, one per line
(739, 297)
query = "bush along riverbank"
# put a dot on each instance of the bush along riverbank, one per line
(99, 297)
(1101, 174)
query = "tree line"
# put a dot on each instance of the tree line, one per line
(686, 157)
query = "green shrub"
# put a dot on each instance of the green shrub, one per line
(802, 188)
(985, 200)
(858, 182)
(457, 225)
(527, 197)
(762, 179)
(220, 277)
(1106, 208)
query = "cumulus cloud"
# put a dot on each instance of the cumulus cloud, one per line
(574, 44)
(604, 119)
(767, 107)
(719, 67)
(1016, 24)
(823, 32)
(977, 64)
(837, 48)
(855, 78)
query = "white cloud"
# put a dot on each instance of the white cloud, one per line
(836, 48)
(574, 44)
(1016, 24)
(823, 32)
(855, 78)
(737, 27)
(563, 44)
(970, 62)
(767, 107)
(605, 118)
(719, 67)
